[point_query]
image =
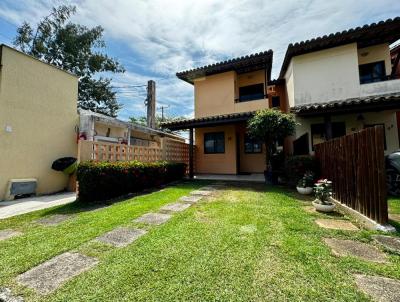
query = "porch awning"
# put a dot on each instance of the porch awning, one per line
(208, 121)
(351, 105)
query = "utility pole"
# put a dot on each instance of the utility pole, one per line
(151, 104)
(162, 111)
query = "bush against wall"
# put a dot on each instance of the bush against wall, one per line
(296, 166)
(104, 180)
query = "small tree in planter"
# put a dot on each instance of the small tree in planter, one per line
(323, 193)
(269, 125)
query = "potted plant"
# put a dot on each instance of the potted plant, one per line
(323, 193)
(269, 125)
(305, 184)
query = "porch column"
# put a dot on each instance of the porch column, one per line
(191, 153)
(328, 127)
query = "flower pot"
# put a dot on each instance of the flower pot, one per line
(326, 208)
(304, 191)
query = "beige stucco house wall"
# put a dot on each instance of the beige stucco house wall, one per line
(216, 94)
(38, 116)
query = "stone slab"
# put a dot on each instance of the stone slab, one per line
(153, 218)
(388, 242)
(343, 248)
(175, 207)
(191, 199)
(379, 288)
(394, 217)
(121, 237)
(7, 296)
(310, 209)
(8, 233)
(53, 219)
(336, 224)
(48, 276)
(201, 193)
(209, 188)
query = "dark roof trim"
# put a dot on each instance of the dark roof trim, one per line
(370, 103)
(253, 62)
(376, 33)
(208, 121)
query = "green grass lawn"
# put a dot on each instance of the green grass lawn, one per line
(394, 205)
(245, 244)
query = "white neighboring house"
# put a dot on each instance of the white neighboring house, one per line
(98, 127)
(344, 82)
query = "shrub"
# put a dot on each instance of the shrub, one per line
(296, 166)
(104, 180)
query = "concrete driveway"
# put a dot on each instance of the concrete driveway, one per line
(30, 204)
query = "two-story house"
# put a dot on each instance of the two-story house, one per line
(342, 83)
(226, 95)
(335, 84)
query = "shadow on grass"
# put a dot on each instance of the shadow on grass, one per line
(80, 206)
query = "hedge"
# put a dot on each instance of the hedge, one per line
(99, 181)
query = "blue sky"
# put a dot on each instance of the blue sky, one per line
(154, 39)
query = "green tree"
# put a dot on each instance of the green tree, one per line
(269, 125)
(77, 49)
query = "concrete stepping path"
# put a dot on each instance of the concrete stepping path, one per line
(175, 207)
(209, 188)
(310, 209)
(121, 237)
(394, 217)
(53, 219)
(8, 233)
(191, 199)
(48, 276)
(390, 243)
(379, 288)
(153, 218)
(201, 193)
(7, 296)
(343, 248)
(336, 224)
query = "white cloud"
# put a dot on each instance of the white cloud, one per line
(169, 36)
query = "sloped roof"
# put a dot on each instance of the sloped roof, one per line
(208, 121)
(376, 103)
(376, 33)
(243, 64)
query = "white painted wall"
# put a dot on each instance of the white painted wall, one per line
(290, 84)
(332, 74)
(326, 75)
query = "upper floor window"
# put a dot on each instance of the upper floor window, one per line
(372, 72)
(251, 92)
(252, 145)
(214, 142)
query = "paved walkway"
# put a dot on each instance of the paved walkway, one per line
(30, 204)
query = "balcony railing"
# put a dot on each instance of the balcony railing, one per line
(390, 84)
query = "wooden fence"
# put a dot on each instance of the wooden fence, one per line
(169, 149)
(356, 165)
